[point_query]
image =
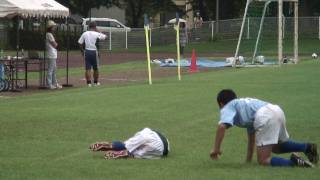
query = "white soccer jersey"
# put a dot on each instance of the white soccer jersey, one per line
(146, 144)
(90, 39)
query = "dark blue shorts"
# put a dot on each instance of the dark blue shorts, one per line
(91, 59)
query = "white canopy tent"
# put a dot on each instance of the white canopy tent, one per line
(32, 8)
(42, 9)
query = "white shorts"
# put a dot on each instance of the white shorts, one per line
(145, 144)
(270, 125)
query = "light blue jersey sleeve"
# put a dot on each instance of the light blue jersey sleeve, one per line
(227, 115)
(241, 112)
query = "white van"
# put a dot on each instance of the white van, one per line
(105, 25)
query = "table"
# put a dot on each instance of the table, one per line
(12, 67)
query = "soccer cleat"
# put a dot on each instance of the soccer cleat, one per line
(52, 87)
(89, 85)
(298, 161)
(96, 84)
(312, 153)
(101, 146)
(58, 86)
(116, 154)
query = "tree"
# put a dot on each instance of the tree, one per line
(135, 9)
(228, 8)
(83, 7)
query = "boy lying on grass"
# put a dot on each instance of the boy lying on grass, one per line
(145, 144)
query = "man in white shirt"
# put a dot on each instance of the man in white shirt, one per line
(87, 43)
(197, 20)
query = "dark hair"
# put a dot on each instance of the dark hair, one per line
(92, 25)
(225, 96)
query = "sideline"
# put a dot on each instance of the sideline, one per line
(5, 97)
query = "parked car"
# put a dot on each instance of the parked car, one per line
(106, 25)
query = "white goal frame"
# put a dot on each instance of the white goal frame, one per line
(280, 28)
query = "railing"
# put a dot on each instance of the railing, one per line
(309, 27)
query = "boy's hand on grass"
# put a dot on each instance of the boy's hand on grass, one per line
(215, 155)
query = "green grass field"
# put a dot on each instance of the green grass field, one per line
(46, 135)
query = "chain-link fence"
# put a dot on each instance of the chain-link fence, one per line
(309, 27)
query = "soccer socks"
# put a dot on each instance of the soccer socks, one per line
(287, 147)
(291, 146)
(118, 146)
(276, 161)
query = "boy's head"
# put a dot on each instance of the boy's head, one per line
(92, 25)
(225, 96)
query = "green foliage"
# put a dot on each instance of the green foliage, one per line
(83, 6)
(228, 8)
(135, 10)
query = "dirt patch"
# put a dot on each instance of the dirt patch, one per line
(109, 79)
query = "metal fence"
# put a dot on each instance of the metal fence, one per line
(309, 27)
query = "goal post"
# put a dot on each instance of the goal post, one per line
(280, 28)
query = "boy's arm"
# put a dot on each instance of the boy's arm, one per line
(219, 138)
(81, 46)
(251, 140)
(54, 44)
(52, 41)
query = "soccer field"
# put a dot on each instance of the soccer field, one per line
(46, 135)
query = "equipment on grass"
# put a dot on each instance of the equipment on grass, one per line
(314, 56)
(259, 59)
(193, 66)
(230, 61)
(169, 61)
(2, 85)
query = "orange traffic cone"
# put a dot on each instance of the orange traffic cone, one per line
(193, 66)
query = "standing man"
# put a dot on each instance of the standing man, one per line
(51, 55)
(87, 43)
(266, 128)
(183, 38)
(197, 20)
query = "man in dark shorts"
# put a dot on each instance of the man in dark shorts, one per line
(87, 43)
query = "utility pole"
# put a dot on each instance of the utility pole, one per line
(217, 16)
